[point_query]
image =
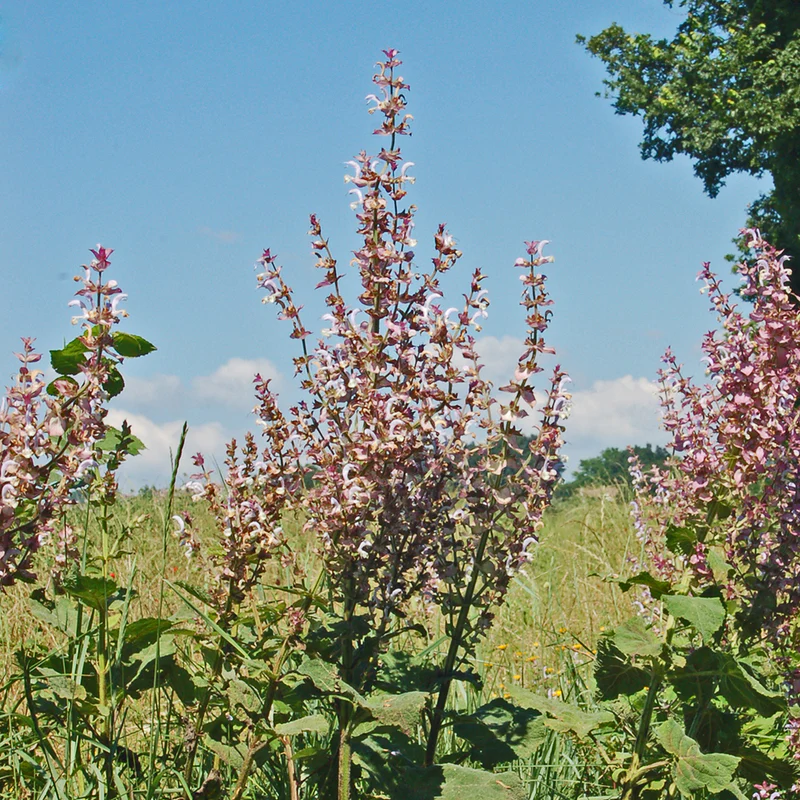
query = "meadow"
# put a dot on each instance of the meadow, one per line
(386, 592)
(544, 638)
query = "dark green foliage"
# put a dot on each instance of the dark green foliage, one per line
(725, 90)
(690, 704)
(132, 346)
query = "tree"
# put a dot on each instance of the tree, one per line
(611, 468)
(726, 92)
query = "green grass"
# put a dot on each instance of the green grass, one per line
(543, 637)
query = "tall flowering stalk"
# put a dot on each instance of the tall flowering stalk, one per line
(734, 480)
(56, 446)
(248, 509)
(414, 479)
(49, 435)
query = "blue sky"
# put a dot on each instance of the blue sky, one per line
(190, 136)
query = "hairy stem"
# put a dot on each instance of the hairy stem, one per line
(215, 672)
(256, 745)
(345, 711)
(456, 641)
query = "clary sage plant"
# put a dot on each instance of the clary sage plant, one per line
(416, 482)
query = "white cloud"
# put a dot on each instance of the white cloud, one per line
(499, 357)
(152, 466)
(156, 405)
(231, 384)
(157, 391)
(625, 410)
(610, 413)
(613, 413)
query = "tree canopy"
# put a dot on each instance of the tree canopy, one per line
(724, 91)
(611, 468)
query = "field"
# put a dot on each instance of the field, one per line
(544, 637)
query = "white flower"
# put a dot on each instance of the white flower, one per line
(363, 547)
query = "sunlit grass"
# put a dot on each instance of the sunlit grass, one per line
(543, 638)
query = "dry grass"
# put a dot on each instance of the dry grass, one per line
(560, 604)
(548, 627)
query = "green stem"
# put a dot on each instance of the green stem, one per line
(456, 641)
(345, 760)
(104, 690)
(634, 772)
(154, 702)
(256, 745)
(345, 711)
(216, 669)
(44, 741)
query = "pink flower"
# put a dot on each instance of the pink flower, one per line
(101, 255)
(402, 499)
(736, 439)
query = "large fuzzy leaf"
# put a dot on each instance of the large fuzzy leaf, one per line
(614, 673)
(501, 732)
(705, 614)
(694, 770)
(451, 782)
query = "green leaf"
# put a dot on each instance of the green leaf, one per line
(562, 717)
(718, 564)
(114, 437)
(52, 389)
(27, 510)
(705, 614)
(145, 627)
(325, 677)
(681, 540)
(62, 615)
(694, 770)
(451, 782)
(402, 711)
(765, 701)
(95, 592)
(383, 753)
(131, 346)
(197, 592)
(179, 680)
(209, 621)
(114, 383)
(241, 693)
(614, 674)
(755, 765)
(145, 651)
(572, 719)
(501, 732)
(657, 587)
(314, 723)
(143, 658)
(707, 672)
(634, 638)
(231, 754)
(70, 358)
(718, 509)
(62, 685)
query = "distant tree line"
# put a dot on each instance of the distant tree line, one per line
(610, 468)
